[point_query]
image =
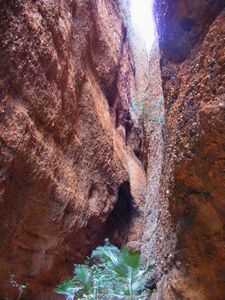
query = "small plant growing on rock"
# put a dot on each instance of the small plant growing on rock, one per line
(110, 273)
(148, 113)
(21, 287)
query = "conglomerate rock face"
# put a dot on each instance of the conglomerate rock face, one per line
(67, 177)
(188, 213)
(68, 173)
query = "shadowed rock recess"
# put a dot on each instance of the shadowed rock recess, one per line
(72, 151)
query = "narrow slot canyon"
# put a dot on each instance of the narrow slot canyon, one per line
(112, 129)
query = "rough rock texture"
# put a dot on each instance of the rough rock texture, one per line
(153, 149)
(66, 172)
(69, 147)
(188, 242)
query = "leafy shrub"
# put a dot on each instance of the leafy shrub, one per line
(109, 273)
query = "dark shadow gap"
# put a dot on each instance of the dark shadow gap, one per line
(117, 225)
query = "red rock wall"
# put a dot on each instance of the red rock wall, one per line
(189, 218)
(68, 173)
(65, 76)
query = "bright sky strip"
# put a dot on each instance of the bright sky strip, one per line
(142, 18)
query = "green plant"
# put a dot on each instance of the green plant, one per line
(139, 106)
(147, 112)
(110, 273)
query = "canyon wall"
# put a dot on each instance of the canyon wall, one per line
(185, 207)
(68, 178)
(71, 144)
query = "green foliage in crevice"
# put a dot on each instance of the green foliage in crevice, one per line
(110, 273)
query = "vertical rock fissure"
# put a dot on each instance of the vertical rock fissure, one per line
(117, 224)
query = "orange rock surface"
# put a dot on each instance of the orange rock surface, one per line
(67, 177)
(185, 213)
